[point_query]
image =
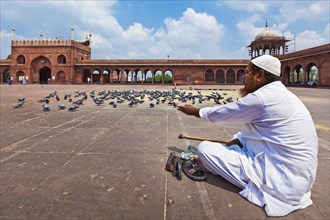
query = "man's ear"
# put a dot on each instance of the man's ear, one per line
(260, 76)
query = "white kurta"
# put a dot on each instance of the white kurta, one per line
(277, 166)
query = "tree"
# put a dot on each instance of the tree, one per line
(158, 78)
(167, 78)
(7, 73)
(8, 57)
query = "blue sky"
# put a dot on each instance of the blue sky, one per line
(153, 29)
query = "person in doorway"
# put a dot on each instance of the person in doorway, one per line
(88, 80)
(23, 81)
(273, 159)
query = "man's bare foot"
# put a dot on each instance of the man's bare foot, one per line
(200, 164)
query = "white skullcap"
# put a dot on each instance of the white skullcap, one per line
(269, 63)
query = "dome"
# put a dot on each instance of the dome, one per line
(267, 33)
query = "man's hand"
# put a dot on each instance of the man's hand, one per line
(233, 142)
(189, 110)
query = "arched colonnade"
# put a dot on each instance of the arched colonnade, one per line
(124, 75)
(161, 75)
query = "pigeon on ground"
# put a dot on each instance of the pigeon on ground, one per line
(73, 108)
(78, 102)
(98, 101)
(20, 104)
(152, 105)
(114, 105)
(61, 106)
(46, 107)
(131, 104)
(57, 98)
(21, 99)
(45, 100)
(230, 99)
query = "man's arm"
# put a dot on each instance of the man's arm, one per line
(189, 110)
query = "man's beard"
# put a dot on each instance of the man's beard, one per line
(247, 89)
(244, 91)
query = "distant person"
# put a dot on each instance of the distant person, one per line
(23, 81)
(88, 80)
(9, 80)
(310, 83)
(274, 157)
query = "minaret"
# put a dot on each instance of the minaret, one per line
(13, 34)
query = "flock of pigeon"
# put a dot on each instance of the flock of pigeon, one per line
(131, 97)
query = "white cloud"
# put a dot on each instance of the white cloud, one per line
(248, 30)
(326, 32)
(306, 39)
(137, 33)
(309, 39)
(193, 35)
(310, 11)
(5, 43)
(250, 6)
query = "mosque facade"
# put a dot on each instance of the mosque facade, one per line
(69, 62)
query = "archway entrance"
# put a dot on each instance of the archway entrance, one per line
(45, 74)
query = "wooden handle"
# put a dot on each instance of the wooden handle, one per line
(202, 139)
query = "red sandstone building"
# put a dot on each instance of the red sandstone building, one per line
(69, 62)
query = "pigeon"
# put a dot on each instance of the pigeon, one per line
(46, 107)
(98, 101)
(78, 102)
(73, 108)
(65, 96)
(45, 100)
(230, 99)
(57, 98)
(21, 99)
(114, 105)
(20, 104)
(61, 106)
(152, 105)
(131, 104)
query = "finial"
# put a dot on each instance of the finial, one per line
(266, 24)
(13, 33)
(72, 33)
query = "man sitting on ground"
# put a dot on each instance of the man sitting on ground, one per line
(276, 165)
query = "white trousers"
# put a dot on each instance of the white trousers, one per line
(224, 161)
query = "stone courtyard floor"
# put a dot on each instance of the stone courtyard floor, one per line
(101, 162)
